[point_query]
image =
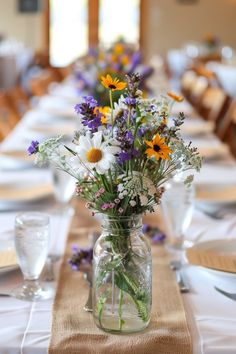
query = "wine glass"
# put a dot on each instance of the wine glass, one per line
(177, 205)
(31, 245)
(63, 187)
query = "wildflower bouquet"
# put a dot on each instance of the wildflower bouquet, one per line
(119, 60)
(121, 157)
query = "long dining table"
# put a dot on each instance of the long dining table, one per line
(25, 326)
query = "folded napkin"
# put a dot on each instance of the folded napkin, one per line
(211, 258)
(7, 259)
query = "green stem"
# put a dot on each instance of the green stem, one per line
(111, 104)
(121, 321)
(128, 119)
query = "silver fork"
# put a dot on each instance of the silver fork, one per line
(231, 296)
(177, 267)
(89, 303)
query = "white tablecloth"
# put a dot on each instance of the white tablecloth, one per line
(25, 327)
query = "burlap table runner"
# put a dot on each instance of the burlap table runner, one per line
(73, 329)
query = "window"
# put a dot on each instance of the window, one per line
(68, 32)
(119, 19)
(74, 25)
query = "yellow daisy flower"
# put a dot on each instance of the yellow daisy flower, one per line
(112, 84)
(175, 97)
(104, 111)
(114, 58)
(158, 149)
(118, 48)
(125, 60)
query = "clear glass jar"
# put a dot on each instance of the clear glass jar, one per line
(122, 276)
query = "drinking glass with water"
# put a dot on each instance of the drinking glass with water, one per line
(177, 205)
(31, 245)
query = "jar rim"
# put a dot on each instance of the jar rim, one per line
(120, 217)
(133, 221)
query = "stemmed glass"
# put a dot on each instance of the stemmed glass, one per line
(177, 205)
(63, 188)
(31, 245)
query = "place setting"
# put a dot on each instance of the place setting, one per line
(19, 193)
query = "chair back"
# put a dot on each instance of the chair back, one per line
(8, 117)
(214, 103)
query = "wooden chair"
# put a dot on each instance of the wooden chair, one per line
(39, 84)
(8, 116)
(187, 81)
(19, 100)
(197, 91)
(214, 104)
(226, 129)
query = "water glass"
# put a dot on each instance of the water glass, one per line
(63, 185)
(31, 245)
(177, 206)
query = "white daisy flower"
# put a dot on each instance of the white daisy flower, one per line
(95, 154)
(119, 106)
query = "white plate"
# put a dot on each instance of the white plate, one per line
(4, 270)
(53, 130)
(7, 244)
(14, 159)
(221, 247)
(216, 194)
(196, 127)
(14, 195)
(214, 151)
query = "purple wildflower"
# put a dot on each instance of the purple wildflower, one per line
(127, 155)
(135, 60)
(145, 72)
(141, 131)
(90, 101)
(90, 116)
(129, 137)
(158, 237)
(130, 101)
(33, 148)
(83, 81)
(123, 157)
(80, 256)
(146, 228)
(154, 233)
(92, 124)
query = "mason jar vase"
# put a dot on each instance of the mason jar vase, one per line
(122, 276)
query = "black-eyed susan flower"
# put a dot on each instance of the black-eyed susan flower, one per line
(158, 149)
(175, 97)
(112, 84)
